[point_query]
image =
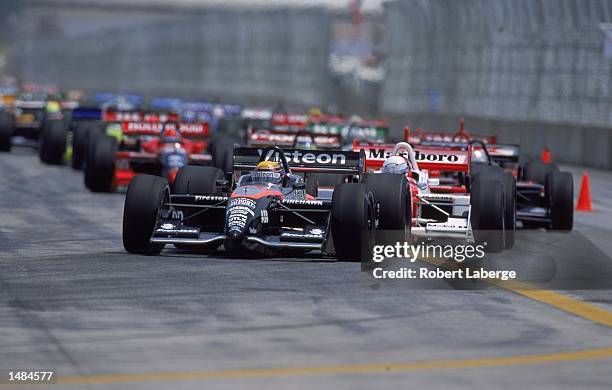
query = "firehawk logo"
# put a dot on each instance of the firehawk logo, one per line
(304, 202)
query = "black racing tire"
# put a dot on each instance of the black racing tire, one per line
(143, 201)
(100, 168)
(223, 154)
(7, 128)
(53, 146)
(487, 213)
(392, 205)
(537, 170)
(352, 222)
(560, 192)
(477, 168)
(96, 131)
(197, 180)
(509, 183)
(80, 140)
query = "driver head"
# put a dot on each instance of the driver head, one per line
(269, 166)
(395, 164)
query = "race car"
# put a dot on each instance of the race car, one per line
(261, 207)
(145, 147)
(109, 122)
(27, 118)
(544, 194)
(431, 193)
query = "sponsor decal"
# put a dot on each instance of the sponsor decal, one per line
(242, 201)
(199, 198)
(177, 214)
(148, 127)
(241, 210)
(437, 157)
(167, 226)
(317, 232)
(264, 216)
(303, 202)
(302, 235)
(443, 157)
(300, 157)
(184, 231)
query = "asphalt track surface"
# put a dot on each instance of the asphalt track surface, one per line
(71, 299)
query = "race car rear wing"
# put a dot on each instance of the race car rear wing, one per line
(287, 138)
(187, 129)
(504, 152)
(140, 116)
(319, 161)
(86, 113)
(427, 157)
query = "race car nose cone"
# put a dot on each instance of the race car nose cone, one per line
(233, 235)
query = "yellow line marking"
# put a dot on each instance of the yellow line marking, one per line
(588, 354)
(561, 302)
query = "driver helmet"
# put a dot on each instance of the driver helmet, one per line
(395, 164)
(304, 142)
(170, 136)
(269, 166)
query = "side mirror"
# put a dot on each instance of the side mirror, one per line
(433, 181)
(222, 183)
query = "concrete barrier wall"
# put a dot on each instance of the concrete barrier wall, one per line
(534, 70)
(267, 55)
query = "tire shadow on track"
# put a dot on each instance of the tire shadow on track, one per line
(548, 260)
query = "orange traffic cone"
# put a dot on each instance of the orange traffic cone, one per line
(545, 157)
(584, 198)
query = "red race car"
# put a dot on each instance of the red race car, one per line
(146, 147)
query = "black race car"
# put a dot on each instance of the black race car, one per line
(251, 209)
(544, 193)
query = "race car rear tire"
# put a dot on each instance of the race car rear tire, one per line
(93, 134)
(80, 140)
(560, 192)
(7, 127)
(53, 145)
(100, 168)
(537, 170)
(352, 222)
(197, 180)
(487, 215)
(143, 200)
(509, 184)
(223, 154)
(392, 205)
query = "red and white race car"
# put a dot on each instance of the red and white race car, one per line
(429, 192)
(145, 147)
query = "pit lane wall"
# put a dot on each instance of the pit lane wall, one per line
(252, 56)
(534, 71)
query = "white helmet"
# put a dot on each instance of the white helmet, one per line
(395, 164)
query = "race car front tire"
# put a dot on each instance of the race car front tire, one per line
(100, 168)
(7, 127)
(352, 222)
(197, 180)
(53, 142)
(143, 200)
(392, 205)
(560, 192)
(537, 170)
(488, 213)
